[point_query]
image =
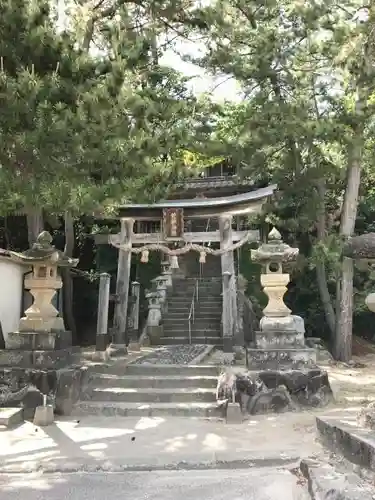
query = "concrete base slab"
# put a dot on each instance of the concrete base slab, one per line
(43, 415)
(10, 417)
(341, 433)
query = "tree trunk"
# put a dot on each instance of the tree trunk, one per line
(321, 275)
(35, 223)
(67, 278)
(342, 350)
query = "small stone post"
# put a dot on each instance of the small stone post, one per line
(102, 322)
(136, 290)
(134, 344)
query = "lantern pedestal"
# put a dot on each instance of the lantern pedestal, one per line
(42, 316)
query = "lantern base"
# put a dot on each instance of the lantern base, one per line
(39, 324)
(39, 359)
(49, 341)
(291, 323)
(276, 359)
(279, 338)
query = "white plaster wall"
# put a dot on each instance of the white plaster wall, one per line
(11, 289)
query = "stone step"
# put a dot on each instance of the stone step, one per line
(200, 306)
(180, 302)
(201, 323)
(10, 417)
(171, 336)
(216, 341)
(196, 329)
(197, 410)
(205, 314)
(216, 304)
(146, 395)
(155, 381)
(203, 291)
(151, 370)
(204, 296)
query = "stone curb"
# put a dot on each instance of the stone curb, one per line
(356, 444)
(202, 355)
(116, 466)
(325, 483)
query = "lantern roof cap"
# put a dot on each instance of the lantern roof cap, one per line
(275, 250)
(42, 251)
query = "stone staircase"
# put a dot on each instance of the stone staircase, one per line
(145, 390)
(206, 327)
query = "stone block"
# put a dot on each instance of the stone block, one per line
(134, 346)
(30, 341)
(30, 401)
(26, 386)
(42, 341)
(227, 344)
(102, 342)
(271, 359)
(63, 339)
(117, 350)
(234, 414)
(291, 323)
(155, 333)
(101, 356)
(52, 359)
(10, 417)
(16, 358)
(341, 433)
(279, 339)
(43, 415)
(69, 385)
(325, 482)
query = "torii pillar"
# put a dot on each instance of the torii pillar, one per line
(120, 340)
(230, 325)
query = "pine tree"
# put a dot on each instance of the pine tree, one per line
(306, 71)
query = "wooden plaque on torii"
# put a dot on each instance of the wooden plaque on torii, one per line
(173, 223)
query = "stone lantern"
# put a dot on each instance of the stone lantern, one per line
(362, 249)
(280, 340)
(43, 282)
(272, 256)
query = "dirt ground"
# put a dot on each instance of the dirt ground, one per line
(354, 384)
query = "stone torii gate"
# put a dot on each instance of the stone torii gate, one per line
(171, 216)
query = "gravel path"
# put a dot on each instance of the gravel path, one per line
(172, 355)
